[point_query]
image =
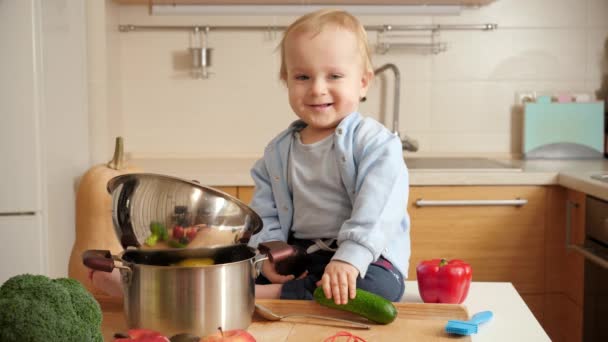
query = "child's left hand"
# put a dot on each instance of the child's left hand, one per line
(339, 281)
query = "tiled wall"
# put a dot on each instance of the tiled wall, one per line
(456, 102)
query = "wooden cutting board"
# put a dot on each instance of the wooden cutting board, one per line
(415, 322)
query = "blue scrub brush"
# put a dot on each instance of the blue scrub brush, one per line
(468, 327)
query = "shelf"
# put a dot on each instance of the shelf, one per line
(310, 2)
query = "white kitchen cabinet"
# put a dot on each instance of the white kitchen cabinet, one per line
(19, 107)
(22, 247)
(43, 131)
(21, 84)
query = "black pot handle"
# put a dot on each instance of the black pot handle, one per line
(287, 259)
(97, 259)
(276, 251)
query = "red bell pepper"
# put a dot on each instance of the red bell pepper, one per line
(443, 281)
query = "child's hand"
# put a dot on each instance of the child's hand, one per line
(109, 283)
(271, 274)
(339, 281)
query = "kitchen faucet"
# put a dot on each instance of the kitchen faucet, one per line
(407, 144)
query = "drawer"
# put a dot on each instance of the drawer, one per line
(502, 243)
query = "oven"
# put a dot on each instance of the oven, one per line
(595, 306)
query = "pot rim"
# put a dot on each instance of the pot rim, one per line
(182, 254)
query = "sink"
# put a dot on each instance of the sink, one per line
(602, 177)
(459, 164)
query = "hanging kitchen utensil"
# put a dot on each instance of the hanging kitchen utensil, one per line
(201, 54)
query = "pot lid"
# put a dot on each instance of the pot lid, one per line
(157, 212)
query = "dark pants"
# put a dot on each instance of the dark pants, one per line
(382, 278)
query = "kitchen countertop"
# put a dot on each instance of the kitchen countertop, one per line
(573, 174)
(512, 321)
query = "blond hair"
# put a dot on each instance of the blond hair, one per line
(316, 21)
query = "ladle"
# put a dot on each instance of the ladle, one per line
(271, 316)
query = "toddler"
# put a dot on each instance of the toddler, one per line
(334, 183)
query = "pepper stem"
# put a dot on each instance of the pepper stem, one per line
(221, 331)
(443, 262)
(117, 160)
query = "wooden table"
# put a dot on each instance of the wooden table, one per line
(415, 322)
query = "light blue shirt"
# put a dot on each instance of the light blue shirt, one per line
(374, 174)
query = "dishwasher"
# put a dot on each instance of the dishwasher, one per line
(595, 306)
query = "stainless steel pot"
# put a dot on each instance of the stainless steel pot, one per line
(178, 299)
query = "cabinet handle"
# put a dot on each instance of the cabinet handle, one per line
(585, 252)
(518, 202)
(19, 213)
(589, 255)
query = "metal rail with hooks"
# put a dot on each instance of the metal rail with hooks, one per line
(201, 53)
(383, 47)
(380, 28)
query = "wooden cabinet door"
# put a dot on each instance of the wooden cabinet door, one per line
(575, 263)
(246, 193)
(502, 243)
(563, 304)
(230, 190)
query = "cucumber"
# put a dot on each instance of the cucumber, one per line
(366, 304)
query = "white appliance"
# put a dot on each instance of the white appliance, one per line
(21, 217)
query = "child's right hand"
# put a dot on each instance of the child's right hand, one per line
(269, 271)
(109, 283)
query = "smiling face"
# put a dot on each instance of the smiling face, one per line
(325, 78)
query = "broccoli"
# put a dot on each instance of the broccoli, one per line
(36, 308)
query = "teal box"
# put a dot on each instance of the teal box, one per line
(572, 130)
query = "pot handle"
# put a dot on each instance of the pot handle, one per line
(98, 259)
(256, 271)
(277, 251)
